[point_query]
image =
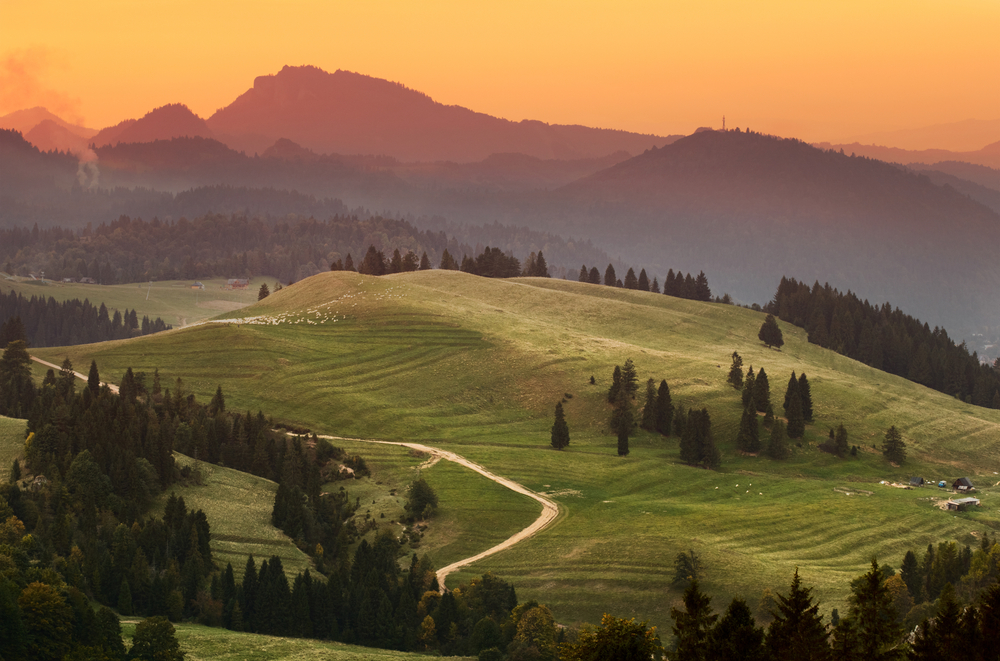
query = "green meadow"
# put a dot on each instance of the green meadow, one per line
(174, 301)
(238, 506)
(476, 366)
(11, 443)
(199, 642)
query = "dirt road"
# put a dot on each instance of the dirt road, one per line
(550, 510)
(112, 386)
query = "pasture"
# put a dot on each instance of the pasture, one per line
(476, 366)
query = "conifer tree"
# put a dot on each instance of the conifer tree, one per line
(796, 422)
(761, 391)
(594, 277)
(797, 632)
(693, 625)
(541, 268)
(560, 430)
(94, 380)
(873, 617)
(583, 274)
(840, 441)
(777, 444)
(649, 409)
(701, 289)
(655, 288)
(616, 384)
(643, 283)
(748, 387)
(737, 637)
(348, 266)
(805, 393)
(425, 262)
(893, 446)
(263, 292)
(631, 282)
(735, 378)
(610, 279)
(748, 438)
(770, 333)
(793, 386)
(664, 409)
(768, 420)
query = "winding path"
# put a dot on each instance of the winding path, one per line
(550, 510)
(79, 375)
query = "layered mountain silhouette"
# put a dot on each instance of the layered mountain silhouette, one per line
(747, 207)
(170, 121)
(24, 121)
(988, 156)
(350, 113)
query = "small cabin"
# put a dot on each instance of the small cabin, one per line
(962, 504)
(88, 281)
(963, 484)
(197, 285)
(237, 283)
(916, 481)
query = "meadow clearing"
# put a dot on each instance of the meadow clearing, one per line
(476, 366)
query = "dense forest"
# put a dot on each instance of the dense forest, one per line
(886, 339)
(45, 322)
(134, 250)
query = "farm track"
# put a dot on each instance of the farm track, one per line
(550, 509)
(79, 375)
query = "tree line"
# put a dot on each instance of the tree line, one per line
(888, 340)
(45, 322)
(678, 285)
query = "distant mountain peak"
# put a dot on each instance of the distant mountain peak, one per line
(174, 120)
(351, 113)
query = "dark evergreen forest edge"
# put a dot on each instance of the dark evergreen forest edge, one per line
(887, 339)
(45, 322)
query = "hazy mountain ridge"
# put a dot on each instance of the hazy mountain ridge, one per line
(350, 113)
(170, 121)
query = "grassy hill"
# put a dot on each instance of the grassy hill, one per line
(477, 365)
(11, 443)
(173, 301)
(199, 642)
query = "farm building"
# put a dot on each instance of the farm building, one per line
(916, 481)
(963, 504)
(963, 484)
(237, 283)
(197, 285)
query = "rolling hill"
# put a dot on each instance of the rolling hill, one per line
(476, 366)
(174, 120)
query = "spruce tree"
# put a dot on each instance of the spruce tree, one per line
(777, 445)
(594, 277)
(761, 391)
(793, 386)
(425, 262)
(560, 430)
(768, 416)
(693, 625)
(616, 384)
(735, 378)
(643, 283)
(348, 266)
(631, 282)
(448, 262)
(664, 409)
(655, 288)
(263, 292)
(583, 273)
(649, 412)
(873, 615)
(893, 446)
(805, 393)
(701, 289)
(770, 333)
(748, 387)
(840, 441)
(610, 279)
(796, 422)
(94, 379)
(748, 438)
(737, 637)
(797, 632)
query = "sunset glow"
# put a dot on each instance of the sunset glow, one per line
(819, 71)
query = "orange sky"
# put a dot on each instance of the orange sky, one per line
(815, 70)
